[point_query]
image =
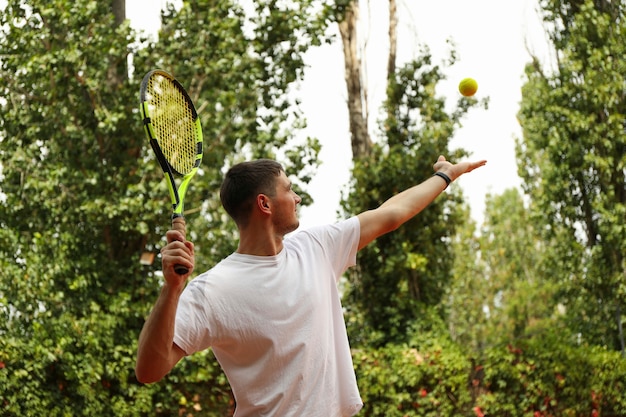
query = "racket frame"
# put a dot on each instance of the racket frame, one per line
(177, 194)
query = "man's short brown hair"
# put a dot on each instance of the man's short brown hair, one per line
(243, 182)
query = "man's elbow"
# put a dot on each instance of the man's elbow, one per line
(153, 365)
(147, 375)
(143, 377)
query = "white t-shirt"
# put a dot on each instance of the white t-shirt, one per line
(275, 324)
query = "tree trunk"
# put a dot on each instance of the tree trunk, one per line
(393, 39)
(118, 70)
(119, 11)
(361, 142)
(393, 47)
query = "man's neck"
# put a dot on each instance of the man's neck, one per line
(259, 243)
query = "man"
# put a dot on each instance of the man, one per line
(271, 311)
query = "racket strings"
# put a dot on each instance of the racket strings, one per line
(173, 121)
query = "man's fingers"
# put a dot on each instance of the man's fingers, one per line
(174, 236)
(478, 164)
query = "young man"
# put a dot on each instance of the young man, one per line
(271, 311)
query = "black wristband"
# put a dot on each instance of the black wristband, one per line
(444, 176)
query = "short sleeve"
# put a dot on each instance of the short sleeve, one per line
(338, 241)
(192, 333)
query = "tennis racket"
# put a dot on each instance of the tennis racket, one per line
(173, 127)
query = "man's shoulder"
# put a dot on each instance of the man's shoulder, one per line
(329, 228)
(325, 236)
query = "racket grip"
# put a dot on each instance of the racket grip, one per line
(179, 224)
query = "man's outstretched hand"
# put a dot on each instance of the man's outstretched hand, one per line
(454, 171)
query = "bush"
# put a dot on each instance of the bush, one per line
(400, 381)
(547, 376)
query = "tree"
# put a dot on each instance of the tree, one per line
(572, 160)
(347, 15)
(70, 228)
(83, 197)
(502, 290)
(405, 271)
(356, 87)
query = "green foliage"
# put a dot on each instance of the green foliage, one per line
(195, 387)
(403, 381)
(69, 318)
(550, 376)
(411, 266)
(82, 197)
(502, 287)
(573, 162)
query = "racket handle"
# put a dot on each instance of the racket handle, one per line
(178, 224)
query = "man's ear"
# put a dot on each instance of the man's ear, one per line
(263, 202)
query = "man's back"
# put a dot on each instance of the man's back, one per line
(276, 326)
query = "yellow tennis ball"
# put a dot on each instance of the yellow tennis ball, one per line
(468, 87)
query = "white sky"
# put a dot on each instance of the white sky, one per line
(491, 38)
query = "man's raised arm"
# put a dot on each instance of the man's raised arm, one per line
(403, 206)
(157, 353)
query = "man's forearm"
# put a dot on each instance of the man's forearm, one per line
(156, 353)
(398, 209)
(412, 201)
